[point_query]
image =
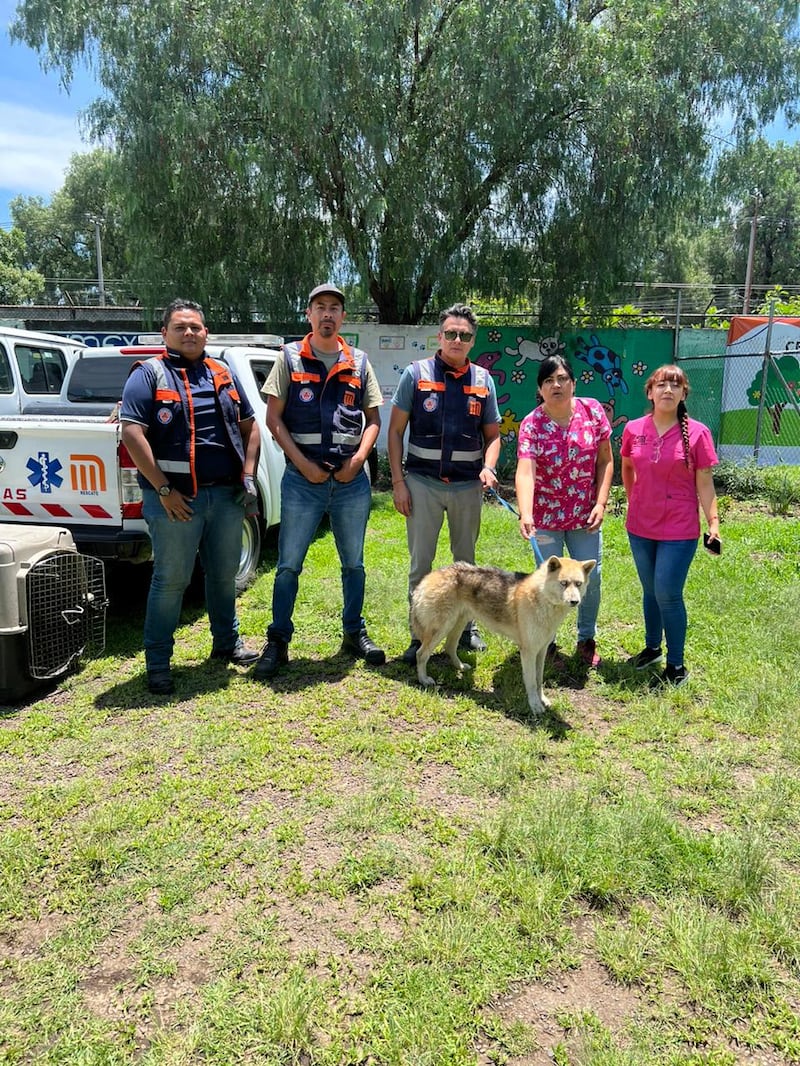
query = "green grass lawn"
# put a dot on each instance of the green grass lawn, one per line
(343, 868)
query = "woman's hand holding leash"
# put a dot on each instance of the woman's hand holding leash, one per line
(527, 528)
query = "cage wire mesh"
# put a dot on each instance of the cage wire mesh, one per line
(66, 603)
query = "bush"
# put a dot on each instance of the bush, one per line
(740, 481)
(779, 485)
(782, 488)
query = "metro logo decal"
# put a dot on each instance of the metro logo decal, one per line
(87, 474)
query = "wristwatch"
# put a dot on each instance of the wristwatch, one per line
(164, 490)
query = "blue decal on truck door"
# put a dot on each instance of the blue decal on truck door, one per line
(45, 472)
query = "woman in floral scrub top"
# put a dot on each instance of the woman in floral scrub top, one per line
(564, 472)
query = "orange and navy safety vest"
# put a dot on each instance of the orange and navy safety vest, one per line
(172, 431)
(446, 419)
(324, 410)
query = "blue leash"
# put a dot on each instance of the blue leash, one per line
(537, 554)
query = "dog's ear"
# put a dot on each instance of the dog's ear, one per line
(553, 563)
(589, 565)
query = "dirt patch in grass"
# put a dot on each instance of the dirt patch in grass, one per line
(543, 1006)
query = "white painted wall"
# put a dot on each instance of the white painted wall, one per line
(390, 350)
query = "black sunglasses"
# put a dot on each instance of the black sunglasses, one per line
(462, 334)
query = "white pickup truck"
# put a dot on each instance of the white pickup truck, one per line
(66, 464)
(33, 367)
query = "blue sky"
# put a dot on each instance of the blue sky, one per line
(40, 125)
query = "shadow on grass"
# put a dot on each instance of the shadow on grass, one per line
(191, 682)
(507, 695)
(302, 672)
(618, 672)
(31, 692)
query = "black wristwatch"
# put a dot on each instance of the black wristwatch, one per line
(164, 490)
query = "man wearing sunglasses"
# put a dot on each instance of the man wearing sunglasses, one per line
(449, 407)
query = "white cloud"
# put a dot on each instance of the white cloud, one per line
(35, 149)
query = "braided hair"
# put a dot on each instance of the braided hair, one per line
(671, 372)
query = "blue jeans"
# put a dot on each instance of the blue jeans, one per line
(303, 505)
(215, 530)
(662, 566)
(581, 545)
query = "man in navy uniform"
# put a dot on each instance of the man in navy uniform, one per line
(191, 432)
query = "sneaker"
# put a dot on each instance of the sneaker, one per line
(471, 638)
(360, 645)
(646, 657)
(675, 675)
(410, 654)
(160, 684)
(586, 651)
(239, 654)
(272, 658)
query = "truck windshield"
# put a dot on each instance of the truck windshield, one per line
(100, 380)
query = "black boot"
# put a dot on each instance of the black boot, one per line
(274, 656)
(410, 654)
(359, 645)
(471, 638)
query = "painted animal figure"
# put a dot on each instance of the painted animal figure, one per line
(604, 361)
(527, 608)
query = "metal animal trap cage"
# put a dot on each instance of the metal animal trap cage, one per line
(66, 602)
(52, 606)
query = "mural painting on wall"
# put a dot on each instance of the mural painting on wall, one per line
(609, 365)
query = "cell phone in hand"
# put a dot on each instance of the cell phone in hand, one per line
(712, 544)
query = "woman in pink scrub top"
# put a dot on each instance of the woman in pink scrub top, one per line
(666, 470)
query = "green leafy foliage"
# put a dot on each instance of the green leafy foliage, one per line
(18, 283)
(419, 150)
(60, 235)
(758, 181)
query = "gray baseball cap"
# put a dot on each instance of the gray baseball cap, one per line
(325, 290)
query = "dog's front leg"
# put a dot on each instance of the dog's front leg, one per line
(532, 673)
(423, 654)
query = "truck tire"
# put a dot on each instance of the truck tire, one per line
(251, 553)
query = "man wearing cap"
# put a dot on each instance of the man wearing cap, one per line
(449, 407)
(322, 409)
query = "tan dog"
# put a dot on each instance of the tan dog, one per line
(528, 608)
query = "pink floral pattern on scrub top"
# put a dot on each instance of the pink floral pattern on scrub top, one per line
(566, 463)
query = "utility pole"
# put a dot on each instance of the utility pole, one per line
(748, 279)
(101, 289)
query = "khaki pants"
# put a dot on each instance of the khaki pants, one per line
(431, 499)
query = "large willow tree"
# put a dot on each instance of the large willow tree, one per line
(413, 146)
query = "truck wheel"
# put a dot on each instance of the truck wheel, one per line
(251, 553)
